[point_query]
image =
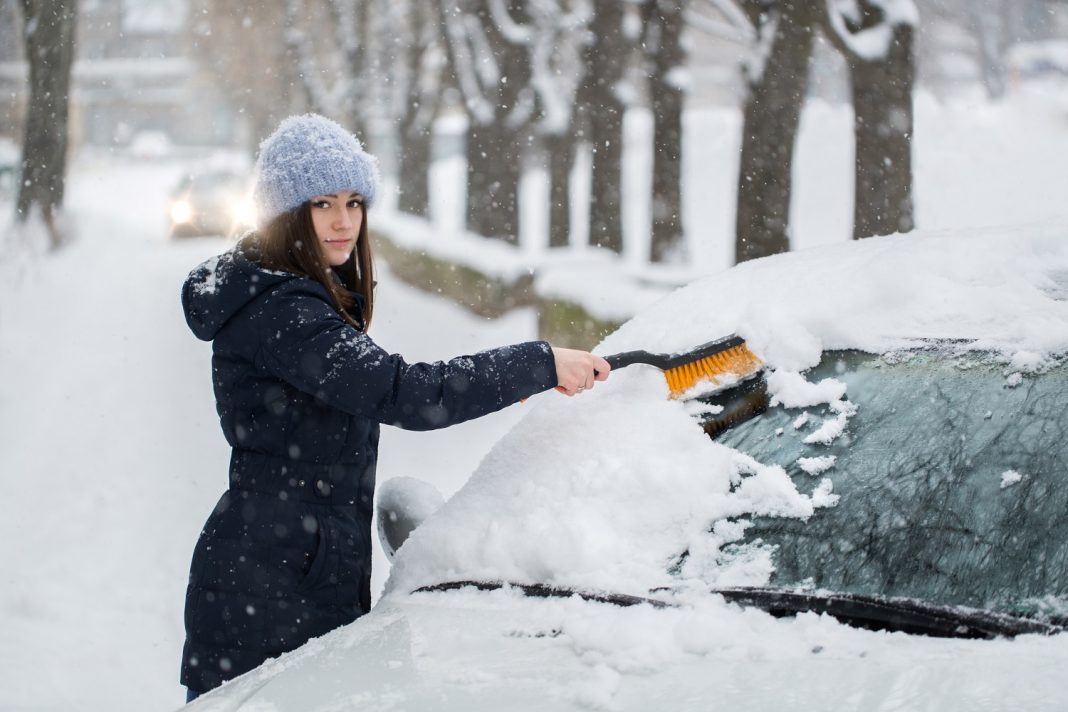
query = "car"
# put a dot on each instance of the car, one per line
(211, 202)
(150, 144)
(874, 520)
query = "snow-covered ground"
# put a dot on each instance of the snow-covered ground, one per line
(110, 453)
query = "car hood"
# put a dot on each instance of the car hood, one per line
(469, 650)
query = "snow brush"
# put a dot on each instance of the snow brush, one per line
(726, 357)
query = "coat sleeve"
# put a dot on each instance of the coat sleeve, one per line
(307, 344)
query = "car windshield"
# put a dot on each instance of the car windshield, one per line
(953, 484)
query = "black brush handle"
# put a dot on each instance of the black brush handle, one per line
(631, 357)
(627, 358)
(669, 361)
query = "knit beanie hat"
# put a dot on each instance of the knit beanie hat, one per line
(307, 156)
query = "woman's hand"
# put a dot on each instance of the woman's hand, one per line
(576, 370)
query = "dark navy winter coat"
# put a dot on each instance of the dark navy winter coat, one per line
(286, 554)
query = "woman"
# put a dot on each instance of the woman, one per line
(301, 390)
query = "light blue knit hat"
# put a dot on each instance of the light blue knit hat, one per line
(306, 156)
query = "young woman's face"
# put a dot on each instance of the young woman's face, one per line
(337, 219)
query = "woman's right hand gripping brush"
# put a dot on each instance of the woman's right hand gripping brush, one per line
(577, 371)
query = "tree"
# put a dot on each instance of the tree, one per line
(777, 79)
(416, 58)
(552, 40)
(992, 38)
(354, 61)
(600, 108)
(559, 33)
(329, 40)
(491, 69)
(49, 31)
(876, 38)
(663, 22)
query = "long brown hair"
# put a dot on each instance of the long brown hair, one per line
(288, 243)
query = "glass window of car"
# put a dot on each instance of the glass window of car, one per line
(952, 477)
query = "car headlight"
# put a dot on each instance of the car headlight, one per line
(243, 213)
(181, 211)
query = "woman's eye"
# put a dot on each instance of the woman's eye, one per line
(320, 204)
(356, 204)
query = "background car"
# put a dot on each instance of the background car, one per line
(150, 144)
(891, 489)
(211, 202)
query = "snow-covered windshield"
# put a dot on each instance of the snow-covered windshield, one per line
(952, 478)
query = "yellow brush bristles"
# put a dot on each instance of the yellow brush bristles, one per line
(737, 361)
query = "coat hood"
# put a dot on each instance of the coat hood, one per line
(221, 287)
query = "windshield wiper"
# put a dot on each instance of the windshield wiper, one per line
(541, 590)
(907, 615)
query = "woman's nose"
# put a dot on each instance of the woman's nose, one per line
(342, 221)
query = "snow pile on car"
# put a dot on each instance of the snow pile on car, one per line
(620, 490)
(1004, 290)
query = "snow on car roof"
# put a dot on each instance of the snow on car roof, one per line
(604, 491)
(1006, 288)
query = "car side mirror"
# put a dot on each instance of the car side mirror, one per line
(403, 504)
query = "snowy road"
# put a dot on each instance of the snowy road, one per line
(111, 455)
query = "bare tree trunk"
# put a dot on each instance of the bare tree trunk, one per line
(494, 158)
(561, 151)
(992, 38)
(772, 115)
(663, 25)
(414, 168)
(882, 105)
(493, 75)
(601, 111)
(882, 127)
(50, 36)
(417, 116)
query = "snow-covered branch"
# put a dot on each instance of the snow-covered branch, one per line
(347, 26)
(462, 34)
(550, 59)
(727, 20)
(332, 100)
(512, 31)
(761, 50)
(428, 79)
(719, 29)
(870, 43)
(559, 37)
(577, 18)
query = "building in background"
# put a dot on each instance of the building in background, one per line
(136, 82)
